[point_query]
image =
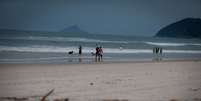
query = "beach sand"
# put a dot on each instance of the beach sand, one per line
(140, 81)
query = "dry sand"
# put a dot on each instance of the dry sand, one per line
(148, 81)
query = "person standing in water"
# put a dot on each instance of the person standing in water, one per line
(80, 53)
(97, 51)
(80, 50)
(100, 53)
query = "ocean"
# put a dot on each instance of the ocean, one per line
(54, 48)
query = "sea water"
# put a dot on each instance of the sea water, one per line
(54, 48)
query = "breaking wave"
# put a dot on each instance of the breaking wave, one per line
(172, 44)
(91, 40)
(86, 50)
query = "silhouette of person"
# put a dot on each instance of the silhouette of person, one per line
(100, 53)
(80, 50)
(97, 52)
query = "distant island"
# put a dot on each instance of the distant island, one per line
(186, 28)
(73, 29)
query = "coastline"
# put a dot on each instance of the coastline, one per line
(142, 81)
(13, 57)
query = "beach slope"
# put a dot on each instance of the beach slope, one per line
(143, 81)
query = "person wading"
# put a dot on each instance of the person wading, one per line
(80, 50)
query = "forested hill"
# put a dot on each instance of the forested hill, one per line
(186, 28)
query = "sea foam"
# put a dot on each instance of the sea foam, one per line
(86, 50)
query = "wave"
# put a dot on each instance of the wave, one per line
(65, 39)
(183, 51)
(67, 49)
(54, 49)
(172, 44)
(91, 40)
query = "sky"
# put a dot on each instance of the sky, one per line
(118, 17)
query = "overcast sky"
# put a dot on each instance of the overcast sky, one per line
(125, 17)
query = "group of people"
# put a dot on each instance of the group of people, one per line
(99, 53)
(157, 52)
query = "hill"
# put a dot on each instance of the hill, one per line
(73, 29)
(186, 28)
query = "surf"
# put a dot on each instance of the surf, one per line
(56, 49)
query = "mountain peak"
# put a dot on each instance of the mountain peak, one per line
(73, 29)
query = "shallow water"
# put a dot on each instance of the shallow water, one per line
(52, 48)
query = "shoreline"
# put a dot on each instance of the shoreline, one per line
(113, 61)
(64, 58)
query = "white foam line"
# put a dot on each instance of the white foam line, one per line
(183, 51)
(46, 49)
(171, 44)
(82, 39)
